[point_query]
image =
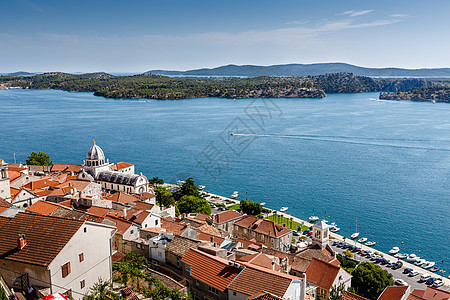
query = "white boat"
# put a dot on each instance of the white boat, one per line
(263, 203)
(201, 187)
(313, 218)
(420, 262)
(428, 264)
(325, 221)
(362, 240)
(355, 235)
(333, 224)
(412, 258)
(394, 250)
(284, 208)
(370, 244)
(402, 256)
(235, 194)
(397, 255)
(181, 182)
(335, 229)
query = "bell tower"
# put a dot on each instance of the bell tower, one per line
(320, 235)
(5, 191)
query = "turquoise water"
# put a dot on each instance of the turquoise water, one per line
(344, 157)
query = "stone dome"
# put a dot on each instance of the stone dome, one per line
(95, 153)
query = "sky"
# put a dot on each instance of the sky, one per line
(139, 35)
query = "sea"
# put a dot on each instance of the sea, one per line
(381, 168)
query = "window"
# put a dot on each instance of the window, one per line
(68, 293)
(65, 269)
(81, 257)
(85, 229)
(213, 290)
(132, 231)
(234, 293)
(82, 284)
(187, 268)
(156, 222)
(145, 225)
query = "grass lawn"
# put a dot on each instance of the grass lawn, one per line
(235, 206)
(281, 219)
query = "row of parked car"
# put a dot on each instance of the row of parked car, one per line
(427, 278)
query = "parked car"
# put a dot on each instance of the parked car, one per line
(431, 280)
(425, 277)
(400, 282)
(296, 233)
(438, 283)
(407, 270)
(413, 273)
(396, 266)
(212, 205)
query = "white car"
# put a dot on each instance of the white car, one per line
(413, 273)
(425, 277)
(400, 282)
(438, 283)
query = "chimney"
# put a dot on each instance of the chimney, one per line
(22, 242)
(125, 212)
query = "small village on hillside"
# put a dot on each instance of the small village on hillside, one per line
(98, 230)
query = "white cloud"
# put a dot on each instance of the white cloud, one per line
(355, 13)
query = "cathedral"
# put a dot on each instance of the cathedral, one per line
(97, 169)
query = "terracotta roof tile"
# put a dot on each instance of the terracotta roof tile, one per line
(4, 203)
(121, 165)
(226, 216)
(141, 217)
(203, 236)
(346, 295)
(315, 252)
(40, 184)
(321, 273)
(80, 185)
(264, 296)
(209, 269)
(4, 221)
(179, 246)
(143, 205)
(117, 256)
(121, 224)
(171, 226)
(260, 259)
(268, 280)
(206, 228)
(66, 168)
(263, 226)
(42, 207)
(393, 293)
(44, 242)
(123, 197)
(435, 294)
(13, 175)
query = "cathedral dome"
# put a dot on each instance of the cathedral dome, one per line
(95, 153)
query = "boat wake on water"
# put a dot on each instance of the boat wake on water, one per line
(353, 140)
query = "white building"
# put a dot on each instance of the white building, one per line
(4, 181)
(97, 168)
(157, 247)
(70, 258)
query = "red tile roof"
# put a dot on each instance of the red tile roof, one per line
(264, 296)
(141, 217)
(66, 168)
(435, 294)
(171, 226)
(346, 295)
(122, 197)
(143, 205)
(41, 183)
(264, 226)
(4, 203)
(13, 175)
(321, 273)
(260, 259)
(42, 207)
(209, 269)
(121, 224)
(254, 280)
(206, 228)
(393, 293)
(44, 242)
(203, 236)
(226, 216)
(121, 165)
(80, 185)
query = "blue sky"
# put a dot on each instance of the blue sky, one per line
(141, 35)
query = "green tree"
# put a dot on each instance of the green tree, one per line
(188, 204)
(369, 280)
(250, 208)
(188, 188)
(155, 181)
(3, 294)
(39, 159)
(336, 292)
(101, 290)
(164, 197)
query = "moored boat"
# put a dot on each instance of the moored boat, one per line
(335, 229)
(370, 244)
(420, 262)
(263, 203)
(428, 264)
(313, 218)
(362, 240)
(412, 258)
(235, 194)
(403, 256)
(355, 235)
(394, 250)
(284, 208)
(434, 269)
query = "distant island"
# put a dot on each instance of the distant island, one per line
(427, 93)
(306, 70)
(162, 87)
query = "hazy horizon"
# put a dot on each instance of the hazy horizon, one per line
(137, 36)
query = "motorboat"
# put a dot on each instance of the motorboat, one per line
(428, 264)
(362, 240)
(355, 235)
(263, 203)
(397, 255)
(434, 269)
(333, 224)
(394, 250)
(235, 195)
(313, 218)
(370, 244)
(284, 208)
(412, 258)
(402, 256)
(335, 229)
(420, 262)
(201, 187)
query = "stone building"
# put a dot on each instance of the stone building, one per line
(4, 181)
